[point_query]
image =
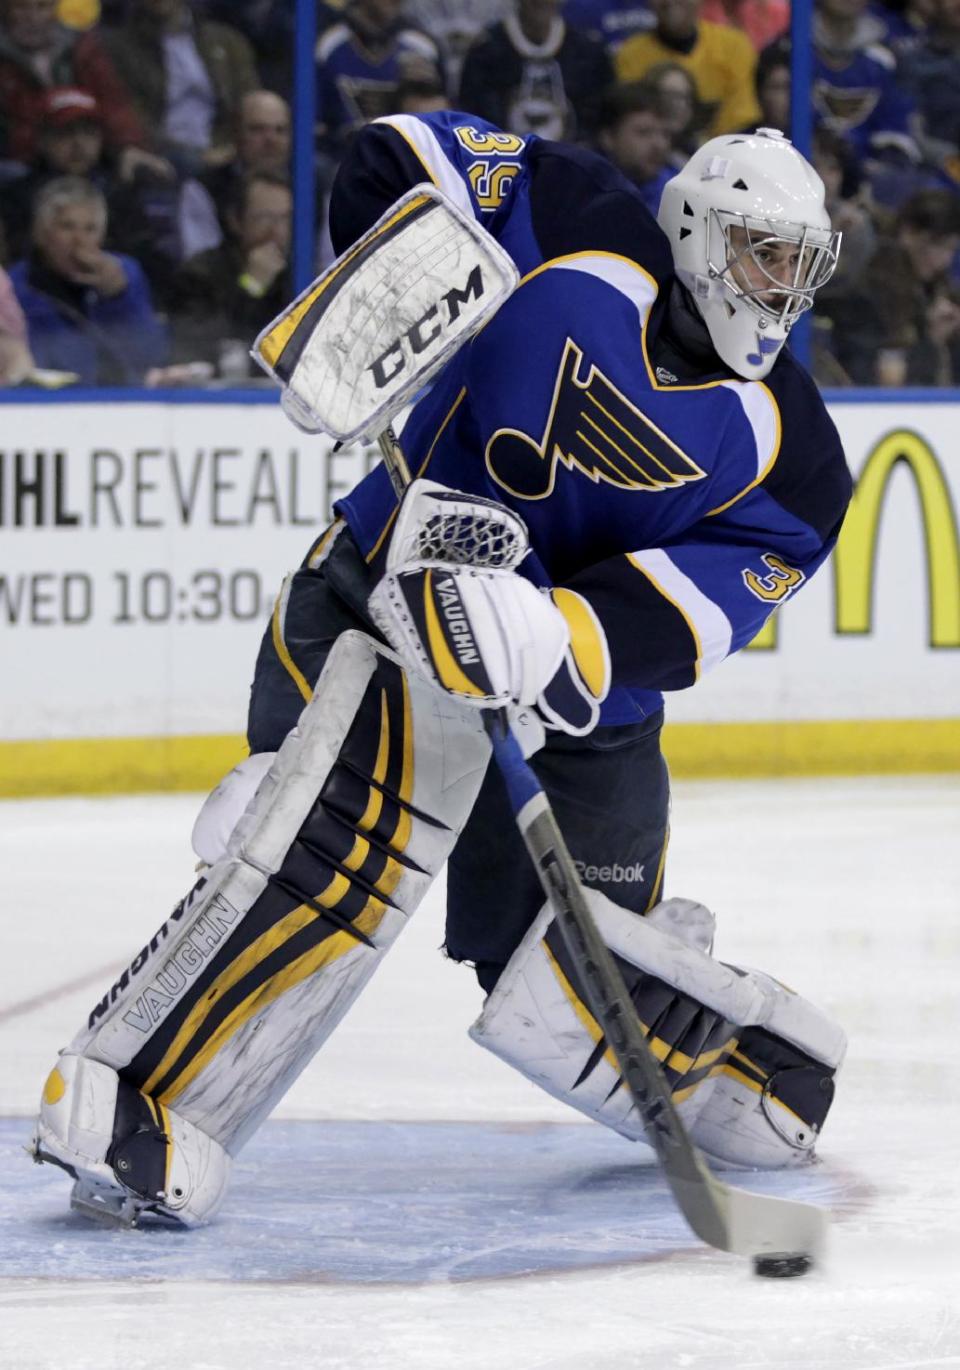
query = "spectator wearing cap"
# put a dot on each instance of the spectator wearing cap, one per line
(38, 53)
(145, 215)
(88, 311)
(721, 60)
(187, 76)
(16, 363)
(70, 143)
(633, 135)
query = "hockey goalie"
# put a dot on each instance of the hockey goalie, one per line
(617, 476)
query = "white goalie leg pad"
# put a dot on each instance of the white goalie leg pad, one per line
(699, 1016)
(767, 1106)
(354, 816)
(127, 1155)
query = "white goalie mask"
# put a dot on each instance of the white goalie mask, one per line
(751, 241)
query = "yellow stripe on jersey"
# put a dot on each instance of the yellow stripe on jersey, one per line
(280, 646)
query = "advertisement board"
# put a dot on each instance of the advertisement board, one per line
(143, 545)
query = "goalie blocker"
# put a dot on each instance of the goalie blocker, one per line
(345, 828)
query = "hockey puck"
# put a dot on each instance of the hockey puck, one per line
(782, 1265)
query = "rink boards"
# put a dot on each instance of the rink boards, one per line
(144, 543)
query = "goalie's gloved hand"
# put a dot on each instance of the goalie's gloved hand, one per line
(490, 638)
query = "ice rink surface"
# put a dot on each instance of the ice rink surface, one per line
(414, 1205)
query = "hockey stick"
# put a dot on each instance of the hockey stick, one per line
(730, 1219)
(349, 352)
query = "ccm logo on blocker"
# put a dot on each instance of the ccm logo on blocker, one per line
(393, 359)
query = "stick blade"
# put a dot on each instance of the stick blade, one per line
(763, 1224)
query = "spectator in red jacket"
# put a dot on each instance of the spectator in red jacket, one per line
(37, 53)
(144, 214)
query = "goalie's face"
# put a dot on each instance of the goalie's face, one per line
(775, 268)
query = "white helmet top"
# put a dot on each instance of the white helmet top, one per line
(728, 215)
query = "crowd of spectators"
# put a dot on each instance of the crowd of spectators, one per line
(146, 207)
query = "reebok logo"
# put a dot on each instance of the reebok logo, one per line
(451, 606)
(611, 875)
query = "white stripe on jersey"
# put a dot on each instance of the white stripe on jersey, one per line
(763, 417)
(443, 172)
(330, 40)
(708, 622)
(630, 280)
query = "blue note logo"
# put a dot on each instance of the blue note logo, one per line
(591, 427)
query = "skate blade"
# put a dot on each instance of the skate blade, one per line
(109, 1208)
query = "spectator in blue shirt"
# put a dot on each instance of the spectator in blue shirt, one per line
(612, 21)
(930, 74)
(633, 135)
(361, 61)
(88, 311)
(855, 91)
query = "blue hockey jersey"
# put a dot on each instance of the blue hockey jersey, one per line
(684, 503)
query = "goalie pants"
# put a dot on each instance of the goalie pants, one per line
(610, 790)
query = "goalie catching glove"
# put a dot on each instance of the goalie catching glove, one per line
(483, 633)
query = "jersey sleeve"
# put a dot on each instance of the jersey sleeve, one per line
(470, 160)
(672, 612)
